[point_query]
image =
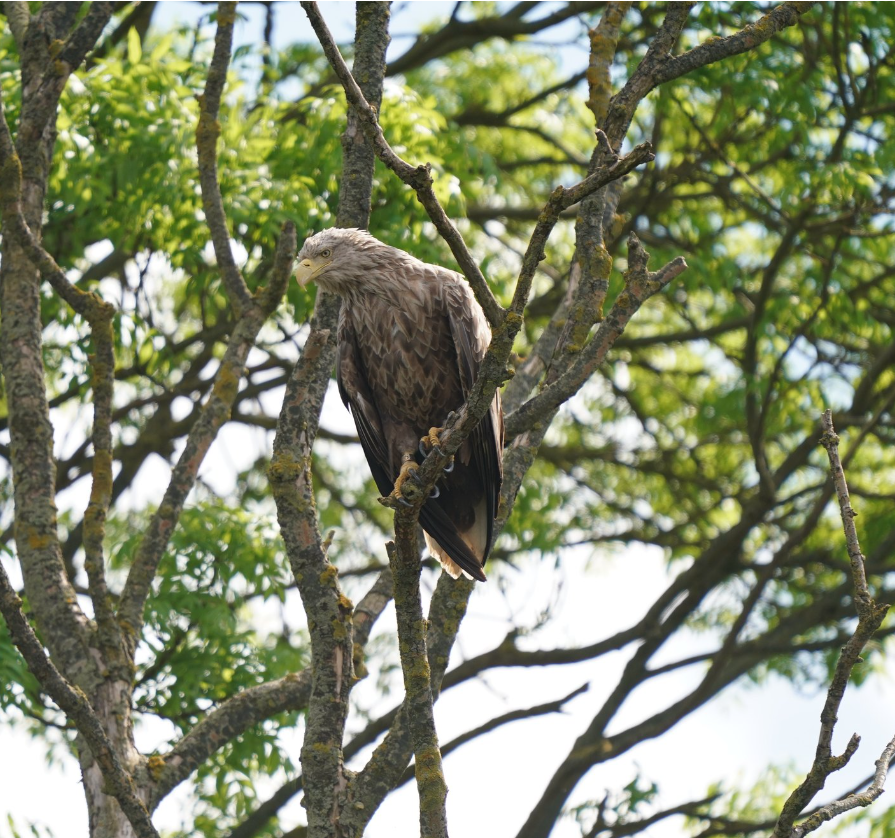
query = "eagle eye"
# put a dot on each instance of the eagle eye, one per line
(326, 253)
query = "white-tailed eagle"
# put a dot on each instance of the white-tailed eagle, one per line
(411, 339)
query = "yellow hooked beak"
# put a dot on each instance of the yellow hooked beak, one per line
(308, 269)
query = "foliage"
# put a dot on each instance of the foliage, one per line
(772, 177)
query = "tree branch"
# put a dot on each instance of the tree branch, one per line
(870, 617)
(405, 564)
(77, 709)
(328, 611)
(555, 706)
(640, 285)
(214, 413)
(233, 718)
(207, 132)
(419, 178)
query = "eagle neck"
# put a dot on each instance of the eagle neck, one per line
(378, 288)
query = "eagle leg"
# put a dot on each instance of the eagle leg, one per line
(431, 442)
(406, 486)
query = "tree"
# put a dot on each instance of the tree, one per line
(691, 424)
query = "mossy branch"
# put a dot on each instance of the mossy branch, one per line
(77, 709)
(215, 412)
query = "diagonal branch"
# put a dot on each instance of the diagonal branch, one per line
(640, 285)
(555, 706)
(419, 178)
(658, 66)
(99, 315)
(233, 718)
(851, 801)
(459, 34)
(207, 132)
(39, 105)
(77, 708)
(870, 617)
(215, 412)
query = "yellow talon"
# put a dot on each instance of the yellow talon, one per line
(433, 438)
(432, 442)
(403, 490)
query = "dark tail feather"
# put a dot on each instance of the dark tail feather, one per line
(435, 521)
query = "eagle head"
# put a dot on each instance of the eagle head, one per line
(338, 258)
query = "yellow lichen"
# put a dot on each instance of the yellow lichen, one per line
(155, 764)
(284, 469)
(11, 178)
(227, 384)
(340, 633)
(328, 575)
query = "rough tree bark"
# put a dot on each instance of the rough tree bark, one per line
(90, 669)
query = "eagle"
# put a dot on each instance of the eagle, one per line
(411, 338)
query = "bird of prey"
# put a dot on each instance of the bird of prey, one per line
(411, 339)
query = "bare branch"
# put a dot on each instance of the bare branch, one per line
(31, 433)
(556, 706)
(851, 801)
(207, 132)
(233, 718)
(19, 16)
(405, 564)
(214, 413)
(328, 610)
(366, 612)
(658, 66)
(77, 708)
(462, 34)
(870, 617)
(640, 285)
(418, 178)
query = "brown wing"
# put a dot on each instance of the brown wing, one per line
(355, 392)
(472, 336)
(376, 433)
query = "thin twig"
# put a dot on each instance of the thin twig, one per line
(556, 706)
(870, 617)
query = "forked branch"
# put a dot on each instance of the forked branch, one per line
(870, 617)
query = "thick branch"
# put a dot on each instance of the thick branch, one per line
(233, 718)
(31, 435)
(77, 709)
(328, 611)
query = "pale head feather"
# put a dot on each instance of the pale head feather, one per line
(358, 261)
